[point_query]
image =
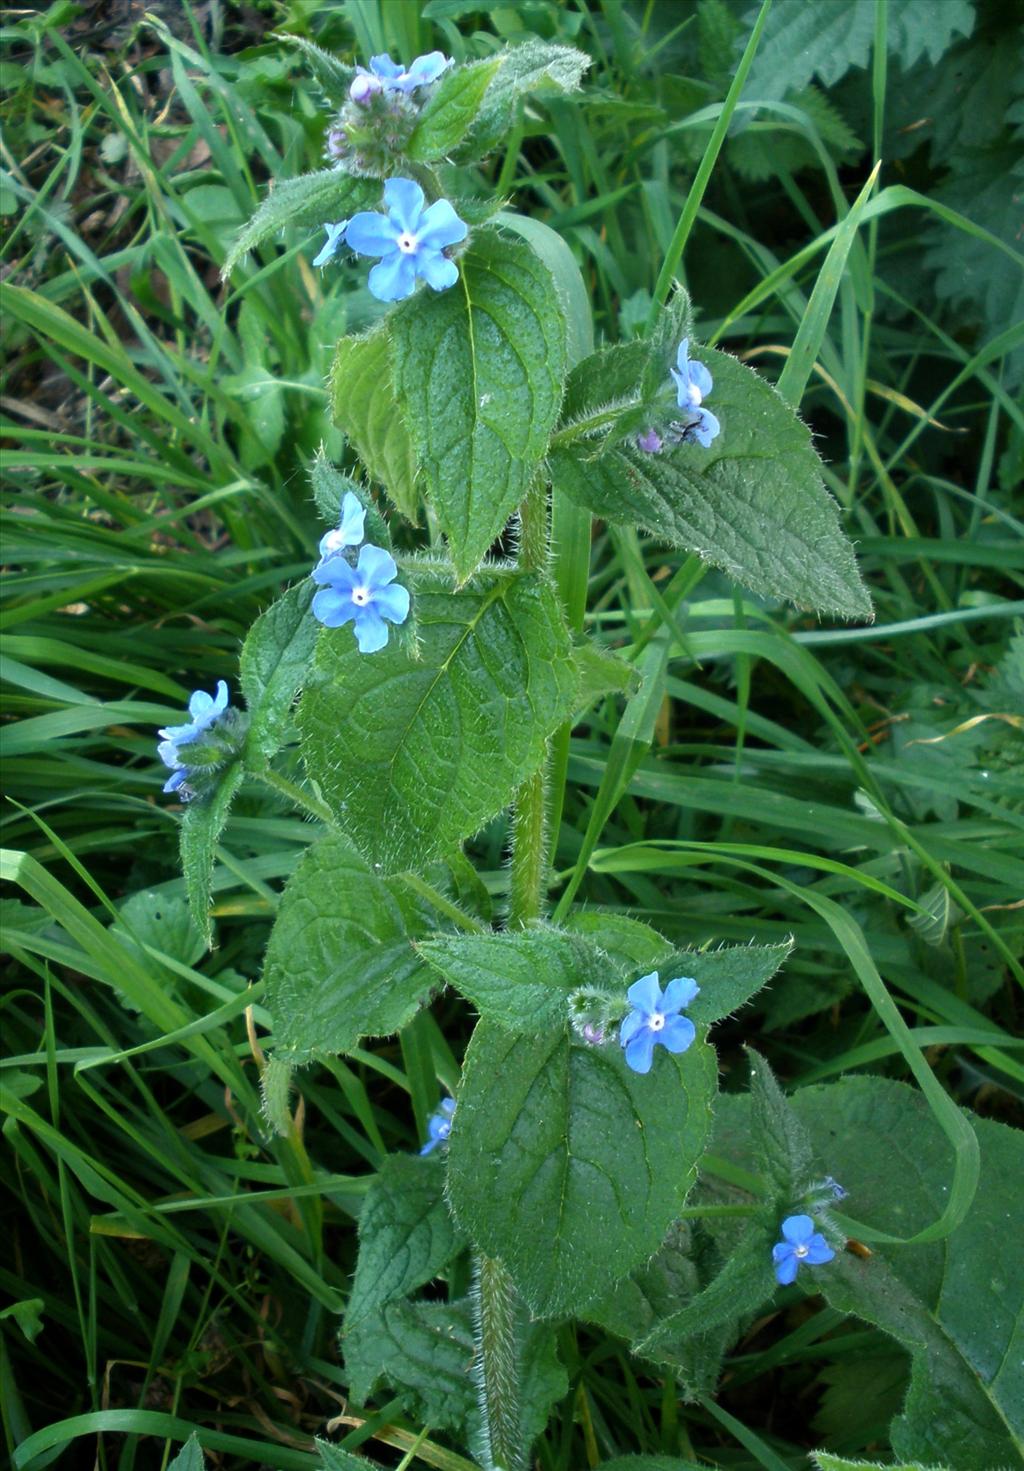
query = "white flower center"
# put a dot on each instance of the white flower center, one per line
(656, 1021)
(407, 242)
(360, 596)
(695, 396)
(801, 1251)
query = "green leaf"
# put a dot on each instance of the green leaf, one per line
(275, 657)
(746, 1280)
(782, 1146)
(566, 1165)
(406, 1234)
(190, 1457)
(478, 370)
(451, 109)
(340, 963)
(333, 1458)
(28, 1312)
(162, 921)
(332, 75)
(533, 66)
(801, 41)
(201, 825)
(727, 977)
(649, 1463)
(414, 754)
(311, 199)
(825, 1461)
(600, 673)
(956, 1305)
(631, 944)
(425, 1350)
(753, 504)
(366, 408)
(518, 978)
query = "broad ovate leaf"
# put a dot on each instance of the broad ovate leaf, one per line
(366, 408)
(478, 371)
(567, 1166)
(416, 753)
(340, 964)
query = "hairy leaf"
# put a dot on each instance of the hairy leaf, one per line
(533, 66)
(366, 408)
(311, 199)
(275, 656)
(340, 964)
(451, 109)
(202, 823)
(414, 754)
(566, 1165)
(478, 371)
(406, 1234)
(753, 504)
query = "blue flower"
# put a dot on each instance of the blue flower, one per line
(693, 384)
(439, 1125)
(801, 1244)
(387, 75)
(335, 240)
(205, 710)
(655, 1020)
(361, 594)
(348, 532)
(409, 239)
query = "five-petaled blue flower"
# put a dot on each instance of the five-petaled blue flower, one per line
(205, 710)
(693, 384)
(801, 1243)
(439, 1125)
(349, 530)
(655, 1020)
(335, 240)
(388, 76)
(361, 594)
(410, 240)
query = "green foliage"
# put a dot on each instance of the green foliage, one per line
(190, 1457)
(308, 200)
(753, 504)
(406, 1235)
(272, 667)
(202, 823)
(340, 963)
(451, 110)
(478, 372)
(490, 680)
(365, 407)
(567, 1166)
(533, 66)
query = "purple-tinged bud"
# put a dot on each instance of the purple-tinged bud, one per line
(364, 86)
(593, 1033)
(336, 145)
(649, 441)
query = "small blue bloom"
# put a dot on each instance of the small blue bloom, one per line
(205, 710)
(387, 75)
(649, 441)
(801, 1243)
(361, 594)
(409, 239)
(655, 1020)
(838, 1193)
(439, 1125)
(349, 530)
(335, 240)
(693, 384)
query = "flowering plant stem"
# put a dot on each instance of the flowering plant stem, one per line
(497, 1366)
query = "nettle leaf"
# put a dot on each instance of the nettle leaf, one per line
(567, 1166)
(406, 1234)
(190, 1457)
(332, 75)
(956, 1305)
(415, 754)
(478, 370)
(202, 823)
(825, 1461)
(275, 656)
(727, 977)
(340, 964)
(426, 1352)
(753, 504)
(631, 944)
(365, 407)
(451, 109)
(519, 978)
(311, 199)
(535, 66)
(801, 41)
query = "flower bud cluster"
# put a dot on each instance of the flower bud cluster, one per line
(373, 127)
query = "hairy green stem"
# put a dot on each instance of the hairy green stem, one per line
(295, 794)
(496, 1309)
